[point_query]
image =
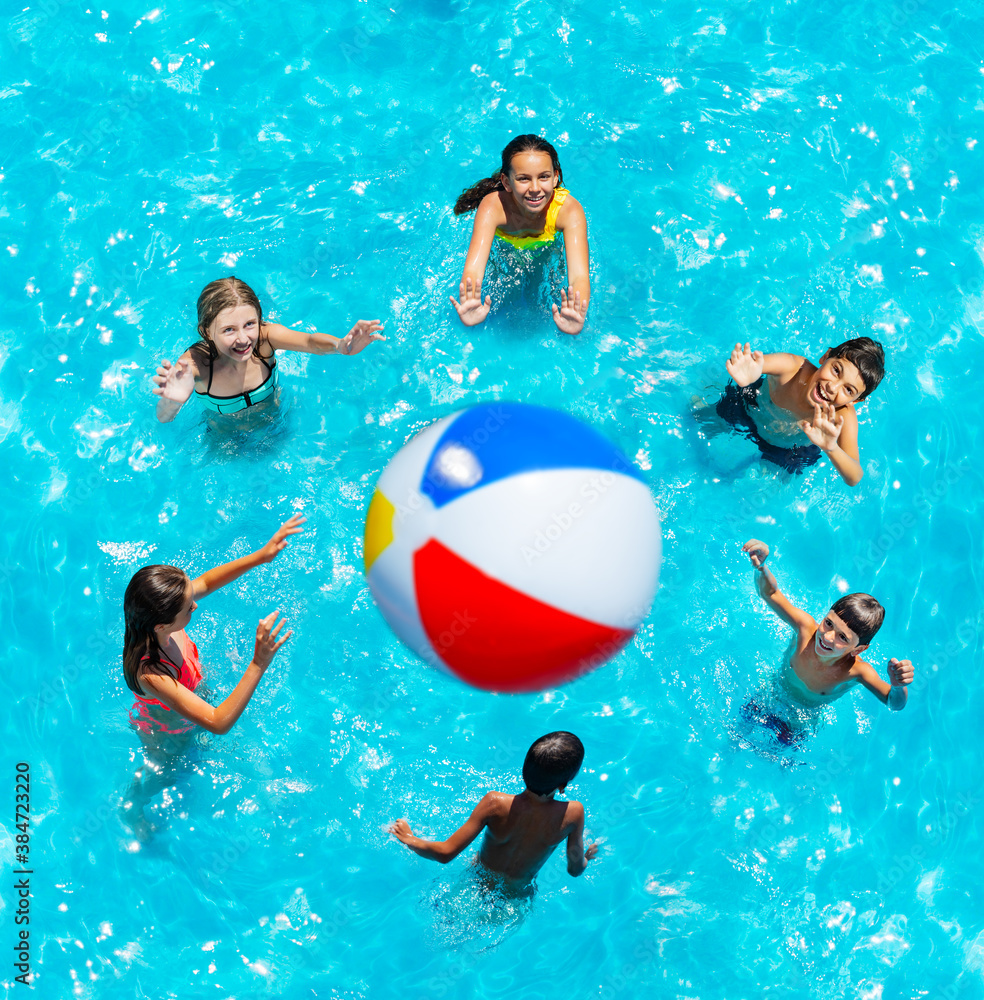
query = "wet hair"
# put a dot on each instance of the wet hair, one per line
(155, 595)
(552, 761)
(216, 297)
(470, 198)
(868, 356)
(862, 614)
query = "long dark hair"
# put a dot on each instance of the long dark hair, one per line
(216, 297)
(470, 199)
(154, 596)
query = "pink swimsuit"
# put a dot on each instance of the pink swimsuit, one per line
(189, 675)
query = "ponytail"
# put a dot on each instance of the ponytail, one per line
(471, 198)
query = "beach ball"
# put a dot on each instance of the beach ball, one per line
(512, 546)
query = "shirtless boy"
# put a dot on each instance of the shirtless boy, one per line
(521, 831)
(822, 662)
(821, 399)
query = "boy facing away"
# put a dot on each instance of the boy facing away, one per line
(521, 831)
(822, 661)
(821, 399)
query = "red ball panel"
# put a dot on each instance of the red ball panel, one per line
(497, 638)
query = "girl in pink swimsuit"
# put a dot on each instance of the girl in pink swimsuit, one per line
(162, 668)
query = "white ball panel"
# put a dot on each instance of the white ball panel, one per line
(583, 540)
(400, 481)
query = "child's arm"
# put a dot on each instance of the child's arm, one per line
(577, 856)
(768, 587)
(446, 850)
(357, 339)
(900, 673)
(471, 309)
(745, 366)
(174, 384)
(837, 435)
(573, 310)
(211, 580)
(221, 718)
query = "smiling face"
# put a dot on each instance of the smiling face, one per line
(836, 381)
(833, 639)
(531, 181)
(235, 332)
(184, 615)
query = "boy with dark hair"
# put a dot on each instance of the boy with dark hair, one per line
(801, 398)
(822, 661)
(521, 831)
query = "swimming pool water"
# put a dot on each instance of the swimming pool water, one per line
(790, 174)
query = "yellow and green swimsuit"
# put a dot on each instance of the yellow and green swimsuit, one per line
(549, 229)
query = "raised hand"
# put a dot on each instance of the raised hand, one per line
(360, 336)
(745, 365)
(279, 540)
(757, 551)
(268, 639)
(471, 309)
(571, 314)
(900, 672)
(174, 382)
(825, 428)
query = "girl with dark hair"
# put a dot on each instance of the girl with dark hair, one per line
(233, 366)
(160, 662)
(524, 203)
(162, 668)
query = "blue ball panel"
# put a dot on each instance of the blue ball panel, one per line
(495, 440)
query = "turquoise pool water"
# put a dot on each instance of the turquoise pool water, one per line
(789, 174)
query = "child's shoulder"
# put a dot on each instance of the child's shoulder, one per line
(198, 360)
(573, 813)
(496, 803)
(492, 209)
(786, 365)
(570, 212)
(861, 668)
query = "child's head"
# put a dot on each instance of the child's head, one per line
(155, 596)
(530, 144)
(470, 199)
(552, 761)
(217, 297)
(850, 625)
(867, 356)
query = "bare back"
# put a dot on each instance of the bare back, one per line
(522, 832)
